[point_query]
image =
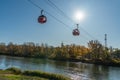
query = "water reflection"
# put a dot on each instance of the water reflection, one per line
(76, 70)
(99, 72)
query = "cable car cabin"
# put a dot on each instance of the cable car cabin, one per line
(76, 32)
(42, 19)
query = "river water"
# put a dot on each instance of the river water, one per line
(75, 70)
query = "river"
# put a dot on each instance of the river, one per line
(75, 70)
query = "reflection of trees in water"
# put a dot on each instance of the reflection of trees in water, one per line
(63, 64)
(99, 72)
(90, 71)
(59, 63)
(87, 70)
(34, 64)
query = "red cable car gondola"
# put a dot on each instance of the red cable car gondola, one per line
(76, 32)
(42, 18)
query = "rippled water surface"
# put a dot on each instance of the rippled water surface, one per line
(76, 70)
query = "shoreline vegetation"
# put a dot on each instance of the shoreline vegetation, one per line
(95, 53)
(16, 74)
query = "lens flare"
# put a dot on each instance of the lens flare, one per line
(79, 15)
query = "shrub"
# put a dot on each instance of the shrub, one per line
(50, 76)
(14, 70)
(45, 75)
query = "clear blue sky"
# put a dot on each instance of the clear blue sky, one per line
(18, 22)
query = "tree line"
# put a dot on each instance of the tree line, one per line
(95, 52)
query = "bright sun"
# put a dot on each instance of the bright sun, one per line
(79, 15)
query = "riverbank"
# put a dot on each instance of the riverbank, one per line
(95, 53)
(110, 62)
(106, 62)
(17, 74)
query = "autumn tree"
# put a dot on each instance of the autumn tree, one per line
(3, 48)
(96, 50)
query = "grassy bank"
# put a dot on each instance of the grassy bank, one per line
(17, 74)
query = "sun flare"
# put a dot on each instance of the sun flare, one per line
(79, 15)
